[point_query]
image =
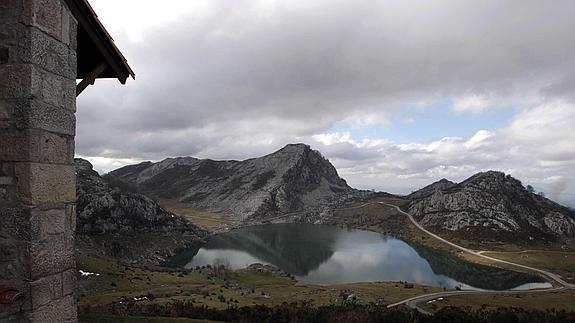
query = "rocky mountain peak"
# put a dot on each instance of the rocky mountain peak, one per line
(440, 185)
(290, 179)
(493, 180)
(491, 202)
(294, 148)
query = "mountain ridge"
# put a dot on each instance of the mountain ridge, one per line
(292, 179)
(102, 209)
(491, 201)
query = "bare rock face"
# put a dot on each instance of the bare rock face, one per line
(292, 179)
(430, 189)
(102, 209)
(494, 203)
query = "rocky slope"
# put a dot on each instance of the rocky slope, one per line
(102, 209)
(430, 189)
(493, 204)
(294, 178)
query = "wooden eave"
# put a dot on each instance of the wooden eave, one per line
(98, 56)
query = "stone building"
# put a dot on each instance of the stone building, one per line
(45, 46)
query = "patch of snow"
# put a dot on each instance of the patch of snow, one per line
(87, 273)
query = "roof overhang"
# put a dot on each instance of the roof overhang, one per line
(98, 56)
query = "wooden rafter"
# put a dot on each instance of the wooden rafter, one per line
(91, 77)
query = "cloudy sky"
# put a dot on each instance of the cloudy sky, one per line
(396, 93)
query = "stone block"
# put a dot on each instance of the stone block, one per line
(47, 222)
(73, 33)
(5, 180)
(16, 81)
(14, 260)
(7, 185)
(51, 256)
(14, 143)
(69, 282)
(10, 11)
(45, 15)
(43, 116)
(8, 196)
(51, 54)
(12, 314)
(71, 223)
(62, 310)
(45, 183)
(47, 147)
(36, 146)
(24, 113)
(15, 223)
(45, 290)
(5, 113)
(6, 169)
(53, 89)
(15, 39)
(66, 27)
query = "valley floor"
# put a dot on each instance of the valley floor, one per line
(110, 282)
(118, 284)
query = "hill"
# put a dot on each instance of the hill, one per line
(493, 204)
(120, 224)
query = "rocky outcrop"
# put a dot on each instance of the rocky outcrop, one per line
(493, 203)
(102, 209)
(440, 185)
(295, 178)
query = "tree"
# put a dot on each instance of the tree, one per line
(530, 189)
(541, 194)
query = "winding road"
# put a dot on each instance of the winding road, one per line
(412, 302)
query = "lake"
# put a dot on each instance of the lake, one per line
(324, 254)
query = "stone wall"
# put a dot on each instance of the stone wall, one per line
(37, 178)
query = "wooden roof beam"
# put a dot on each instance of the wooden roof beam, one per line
(91, 77)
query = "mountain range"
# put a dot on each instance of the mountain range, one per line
(298, 179)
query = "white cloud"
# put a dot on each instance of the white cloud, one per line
(538, 147)
(472, 103)
(544, 133)
(333, 138)
(481, 139)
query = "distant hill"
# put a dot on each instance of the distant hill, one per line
(102, 209)
(491, 204)
(294, 178)
(440, 185)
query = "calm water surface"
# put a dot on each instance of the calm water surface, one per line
(327, 255)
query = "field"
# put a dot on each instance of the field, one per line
(562, 263)
(98, 318)
(118, 283)
(207, 220)
(564, 300)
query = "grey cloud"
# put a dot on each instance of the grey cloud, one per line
(312, 65)
(242, 81)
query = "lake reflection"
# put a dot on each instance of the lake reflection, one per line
(327, 255)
